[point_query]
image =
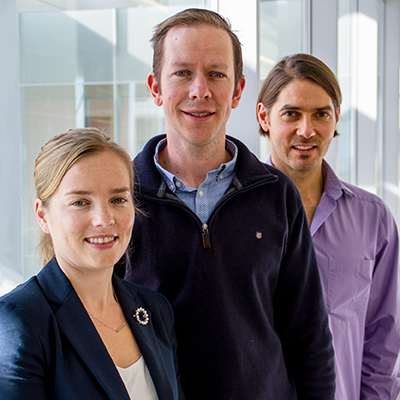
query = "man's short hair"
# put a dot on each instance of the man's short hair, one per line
(299, 66)
(194, 17)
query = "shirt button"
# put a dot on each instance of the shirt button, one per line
(171, 187)
(221, 176)
(201, 193)
(178, 184)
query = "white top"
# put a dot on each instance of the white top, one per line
(138, 382)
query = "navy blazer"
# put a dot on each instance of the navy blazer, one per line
(50, 349)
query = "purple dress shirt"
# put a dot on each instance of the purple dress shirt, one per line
(356, 243)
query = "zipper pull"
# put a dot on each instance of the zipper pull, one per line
(206, 237)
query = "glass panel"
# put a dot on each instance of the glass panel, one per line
(380, 112)
(134, 53)
(99, 108)
(137, 115)
(282, 32)
(346, 142)
(48, 110)
(85, 63)
(59, 46)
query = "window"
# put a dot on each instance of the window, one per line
(283, 31)
(80, 67)
(71, 64)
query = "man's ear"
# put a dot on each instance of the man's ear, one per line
(155, 89)
(338, 116)
(262, 115)
(238, 92)
(41, 216)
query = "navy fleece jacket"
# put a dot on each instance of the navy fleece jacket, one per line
(250, 317)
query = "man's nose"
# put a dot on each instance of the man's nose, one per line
(199, 88)
(306, 127)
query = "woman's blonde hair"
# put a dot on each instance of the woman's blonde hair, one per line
(58, 155)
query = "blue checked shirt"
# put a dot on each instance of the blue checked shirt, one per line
(203, 200)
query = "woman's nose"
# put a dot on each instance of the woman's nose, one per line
(103, 216)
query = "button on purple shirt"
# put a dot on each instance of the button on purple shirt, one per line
(356, 243)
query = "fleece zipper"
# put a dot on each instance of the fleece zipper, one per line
(205, 231)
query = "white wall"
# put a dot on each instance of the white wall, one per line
(10, 150)
(368, 153)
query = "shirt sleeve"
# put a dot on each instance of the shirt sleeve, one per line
(301, 319)
(22, 373)
(380, 377)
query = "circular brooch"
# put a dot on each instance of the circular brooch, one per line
(141, 316)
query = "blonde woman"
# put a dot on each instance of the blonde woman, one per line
(77, 331)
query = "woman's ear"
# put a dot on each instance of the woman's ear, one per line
(41, 216)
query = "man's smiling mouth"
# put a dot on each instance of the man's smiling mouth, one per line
(204, 114)
(303, 147)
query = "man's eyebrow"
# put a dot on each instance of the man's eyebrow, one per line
(290, 107)
(185, 64)
(218, 65)
(181, 64)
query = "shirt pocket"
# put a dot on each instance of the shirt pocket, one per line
(349, 283)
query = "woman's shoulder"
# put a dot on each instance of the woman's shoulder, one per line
(24, 305)
(24, 295)
(23, 318)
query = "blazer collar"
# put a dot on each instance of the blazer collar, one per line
(145, 336)
(75, 323)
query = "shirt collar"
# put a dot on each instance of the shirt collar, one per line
(171, 179)
(333, 186)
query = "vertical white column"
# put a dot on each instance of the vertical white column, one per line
(10, 150)
(324, 44)
(79, 102)
(244, 19)
(391, 142)
(132, 136)
(367, 93)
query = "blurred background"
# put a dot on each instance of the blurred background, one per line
(77, 63)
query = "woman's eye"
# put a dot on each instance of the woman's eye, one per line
(79, 203)
(119, 200)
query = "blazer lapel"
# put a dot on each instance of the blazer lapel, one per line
(78, 328)
(146, 339)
